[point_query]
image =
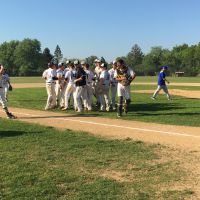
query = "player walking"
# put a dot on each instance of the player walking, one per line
(50, 76)
(70, 85)
(104, 83)
(113, 84)
(124, 75)
(97, 72)
(2, 95)
(89, 81)
(60, 89)
(161, 84)
(80, 82)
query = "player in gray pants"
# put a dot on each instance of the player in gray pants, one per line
(113, 84)
(2, 95)
(161, 84)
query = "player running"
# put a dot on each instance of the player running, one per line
(161, 84)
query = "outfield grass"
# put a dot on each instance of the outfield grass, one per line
(147, 79)
(43, 163)
(27, 79)
(179, 111)
(138, 79)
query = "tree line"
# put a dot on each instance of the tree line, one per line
(26, 58)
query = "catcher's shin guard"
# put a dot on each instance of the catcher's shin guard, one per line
(120, 105)
(126, 105)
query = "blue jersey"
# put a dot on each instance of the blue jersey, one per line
(161, 76)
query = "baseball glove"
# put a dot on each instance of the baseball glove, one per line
(10, 87)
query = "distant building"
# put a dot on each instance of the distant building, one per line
(179, 74)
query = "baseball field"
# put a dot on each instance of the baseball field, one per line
(151, 153)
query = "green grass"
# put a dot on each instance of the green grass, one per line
(138, 79)
(27, 79)
(171, 79)
(179, 111)
(43, 163)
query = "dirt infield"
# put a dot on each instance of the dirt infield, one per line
(175, 92)
(172, 84)
(176, 136)
(28, 85)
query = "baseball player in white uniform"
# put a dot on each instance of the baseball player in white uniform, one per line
(80, 82)
(70, 85)
(124, 75)
(97, 72)
(113, 84)
(50, 76)
(104, 84)
(60, 89)
(89, 83)
(2, 95)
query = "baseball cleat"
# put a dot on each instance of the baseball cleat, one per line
(119, 115)
(11, 116)
(153, 98)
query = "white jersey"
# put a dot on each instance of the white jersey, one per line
(48, 74)
(112, 78)
(65, 71)
(70, 76)
(97, 72)
(106, 77)
(89, 76)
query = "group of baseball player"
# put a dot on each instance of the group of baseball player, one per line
(4, 87)
(76, 82)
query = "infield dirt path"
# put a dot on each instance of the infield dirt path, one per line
(175, 136)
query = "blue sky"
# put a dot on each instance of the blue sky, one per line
(106, 28)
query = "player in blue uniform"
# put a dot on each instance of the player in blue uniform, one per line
(162, 84)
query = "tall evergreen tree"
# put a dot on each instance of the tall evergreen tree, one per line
(58, 54)
(135, 56)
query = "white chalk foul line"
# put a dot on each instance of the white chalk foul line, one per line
(114, 126)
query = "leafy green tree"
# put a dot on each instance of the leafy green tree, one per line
(47, 56)
(90, 60)
(28, 57)
(7, 58)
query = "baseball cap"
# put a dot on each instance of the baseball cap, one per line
(68, 62)
(104, 65)
(60, 64)
(97, 61)
(114, 62)
(165, 67)
(76, 62)
(83, 62)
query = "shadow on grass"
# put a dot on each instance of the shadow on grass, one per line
(155, 107)
(11, 133)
